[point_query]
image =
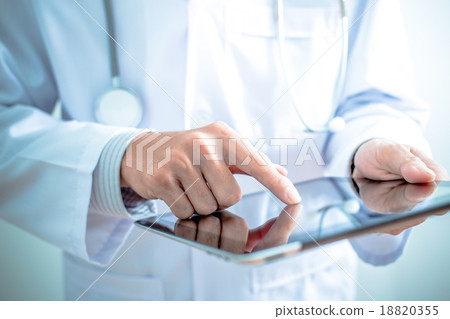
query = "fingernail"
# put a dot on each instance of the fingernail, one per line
(420, 166)
(292, 194)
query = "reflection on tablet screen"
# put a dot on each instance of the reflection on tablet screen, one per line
(332, 209)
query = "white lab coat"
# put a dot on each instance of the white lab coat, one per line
(219, 60)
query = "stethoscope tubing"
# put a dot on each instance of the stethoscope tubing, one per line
(339, 86)
(112, 48)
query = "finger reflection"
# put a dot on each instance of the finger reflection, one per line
(230, 232)
(392, 197)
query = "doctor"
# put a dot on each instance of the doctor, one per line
(192, 64)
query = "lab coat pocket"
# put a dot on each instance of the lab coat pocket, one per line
(311, 275)
(283, 280)
(88, 282)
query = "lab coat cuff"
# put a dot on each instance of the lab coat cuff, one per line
(380, 249)
(137, 205)
(107, 195)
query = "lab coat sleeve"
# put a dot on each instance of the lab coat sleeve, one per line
(111, 207)
(378, 98)
(380, 249)
(107, 195)
(46, 165)
(46, 169)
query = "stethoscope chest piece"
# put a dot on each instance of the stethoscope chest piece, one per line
(119, 107)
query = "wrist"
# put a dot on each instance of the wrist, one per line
(108, 178)
(352, 165)
(123, 182)
(128, 161)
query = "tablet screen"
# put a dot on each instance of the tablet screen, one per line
(260, 228)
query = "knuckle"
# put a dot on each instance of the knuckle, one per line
(389, 148)
(410, 159)
(177, 155)
(208, 150)
(206, 209)
(181, 162)
(184, 212)
(197, 135)
(218, 124)
(221, 128)
(231, 198)
(165, 181)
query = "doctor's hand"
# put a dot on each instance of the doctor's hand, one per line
(191, 175)
(381, 159)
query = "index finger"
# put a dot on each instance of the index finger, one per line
(253, 163)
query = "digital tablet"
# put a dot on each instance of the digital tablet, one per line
(260, 228)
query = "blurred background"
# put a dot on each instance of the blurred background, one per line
(31, 269)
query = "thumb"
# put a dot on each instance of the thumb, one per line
(410, 167)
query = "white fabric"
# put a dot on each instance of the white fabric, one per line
(217, 64)
(106, 191)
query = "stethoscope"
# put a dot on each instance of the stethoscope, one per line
(121, 106)
(349, 208)
(334, 123)
(118, 105)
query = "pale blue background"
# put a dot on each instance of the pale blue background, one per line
(31, 269)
